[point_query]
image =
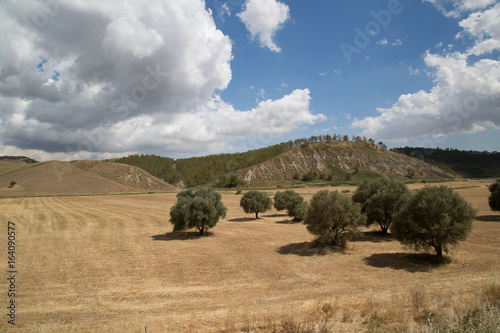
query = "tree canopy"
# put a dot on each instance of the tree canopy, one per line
(434, 217)
(255, 202)
(292, 202)
(333, 217)
(494, 198)
(380, 199)
(201, 209)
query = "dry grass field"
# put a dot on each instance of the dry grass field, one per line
(111, 264)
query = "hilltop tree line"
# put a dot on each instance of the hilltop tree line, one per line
(210, 169)
(468, 163)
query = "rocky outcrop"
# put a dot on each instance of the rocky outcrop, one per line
(337, 158)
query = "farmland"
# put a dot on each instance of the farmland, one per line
(109, 263)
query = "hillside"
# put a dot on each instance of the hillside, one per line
(78, 177)
(329, 159)
(338, 160)
(468, 164)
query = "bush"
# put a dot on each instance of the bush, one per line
(333, 217)
(255, 202)
(434, 217)
(201, 209)
(12, 183)
(381, 199)
(292, 202)
(494, 198)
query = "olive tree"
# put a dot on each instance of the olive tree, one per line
(380, 200)
(494, 198)
(255, 202)
(293, 203)
(333, 217)
(434, 217)
(199, 209)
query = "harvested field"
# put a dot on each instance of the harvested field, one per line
(111, 264)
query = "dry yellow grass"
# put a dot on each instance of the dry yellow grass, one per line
(110, 264)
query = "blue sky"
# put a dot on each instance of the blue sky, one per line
(87, 79)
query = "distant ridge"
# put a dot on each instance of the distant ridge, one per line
(466, 163)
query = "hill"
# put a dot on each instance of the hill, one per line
(78, 177)
(338, 160)
(468, 164)
(306, 159)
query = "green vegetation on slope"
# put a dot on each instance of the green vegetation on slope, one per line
(468, 164)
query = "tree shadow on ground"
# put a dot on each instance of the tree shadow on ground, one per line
(306, 249)
(411, 262)
(183, 235)
(243, 219)
(373, 236)
(488, 218)
(290, 221)
(274, 215)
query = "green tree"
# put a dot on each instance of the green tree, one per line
(434, 217)
(292, 202)
(333, 217)
(380, 200)
(255, 202)
(201, 209)
(494, 198)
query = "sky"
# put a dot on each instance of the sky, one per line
(179, 78)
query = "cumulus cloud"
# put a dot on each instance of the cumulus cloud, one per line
(117, 77)
(263, 18)
(454, 8)
(466, 93)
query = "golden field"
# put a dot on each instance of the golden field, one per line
(110, 263)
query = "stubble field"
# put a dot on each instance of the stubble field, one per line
(111, 264)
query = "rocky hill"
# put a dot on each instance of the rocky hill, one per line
(337, 159)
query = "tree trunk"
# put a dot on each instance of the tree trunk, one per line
(202, 231)
(257, 215)
(439, 251)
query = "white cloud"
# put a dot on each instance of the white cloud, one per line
(464, 99)
(382, 42)
(413, 71)
(466, 93)
(263, 18)
(130, 76)
(455, 8)
(485, 27)
(397, 42)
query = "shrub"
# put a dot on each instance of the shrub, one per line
(333, 217)
(381, 199)
(12, 183)
(201, 209)
(292, 202)
(434, 217)
(494, 198)
(255, 202)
